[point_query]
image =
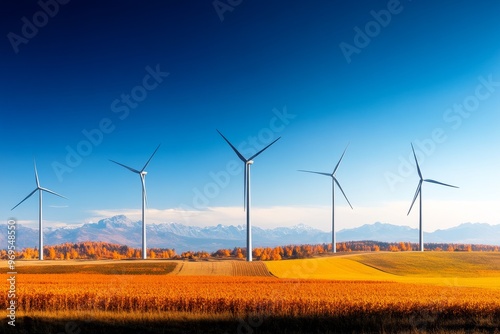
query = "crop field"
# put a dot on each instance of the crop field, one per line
(322, 295)
(444, 264)
(221, 268)
(441, 268)
(149, 267)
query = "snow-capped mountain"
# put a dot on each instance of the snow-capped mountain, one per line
(121, 230)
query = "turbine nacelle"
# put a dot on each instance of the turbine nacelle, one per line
(249, 162)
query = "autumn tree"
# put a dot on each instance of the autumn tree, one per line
(276, 254)
(52, 253)
(393, 248)
(257, 252)
(74, 254)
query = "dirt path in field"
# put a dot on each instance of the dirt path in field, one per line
(221, 268)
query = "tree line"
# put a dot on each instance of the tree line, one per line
(103, 250)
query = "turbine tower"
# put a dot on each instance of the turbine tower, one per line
(142, 174)
(334, 181)
(246, 190)
(419, 193)
(40, 189)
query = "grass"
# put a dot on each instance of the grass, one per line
(473, 269)
(432, 264)
(148, 267)
(113, 268)
(337, 268)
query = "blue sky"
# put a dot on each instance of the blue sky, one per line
(134, 75)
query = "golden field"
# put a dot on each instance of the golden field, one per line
(466, 269)
(325, 295)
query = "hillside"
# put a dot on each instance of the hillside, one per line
(474, 269)
(432, 264)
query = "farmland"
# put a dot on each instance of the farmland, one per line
(362, 293)
(438, 268)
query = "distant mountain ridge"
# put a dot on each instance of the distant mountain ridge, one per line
(122, 230)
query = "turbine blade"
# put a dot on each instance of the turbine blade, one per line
(242, 158)
(343, 193)
(52, 192)
(265, 148)
(338, 163)
(320, 173)
(36, 175)
(415, 197)
(418, 167)
(151, 157)
(129, 168)
(25, 198)
(441, 183)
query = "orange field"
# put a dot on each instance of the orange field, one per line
(92, 295)
(324, 295)
(238, 295)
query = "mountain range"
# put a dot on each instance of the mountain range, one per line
(121, 230)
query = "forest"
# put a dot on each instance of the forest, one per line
(102, 250)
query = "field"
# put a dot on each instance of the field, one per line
(438, 293)
(438, 268)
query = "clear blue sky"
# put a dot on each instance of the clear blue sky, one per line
(296, 69)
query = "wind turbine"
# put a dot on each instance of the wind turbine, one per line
(142, 174)
(40, 189)
(334, 181)
(246, 189)
(419, 192)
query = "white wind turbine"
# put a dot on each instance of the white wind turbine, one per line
(334, 181)
(40, 189)
(419, 192)
(142, 174)
(246, 191)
